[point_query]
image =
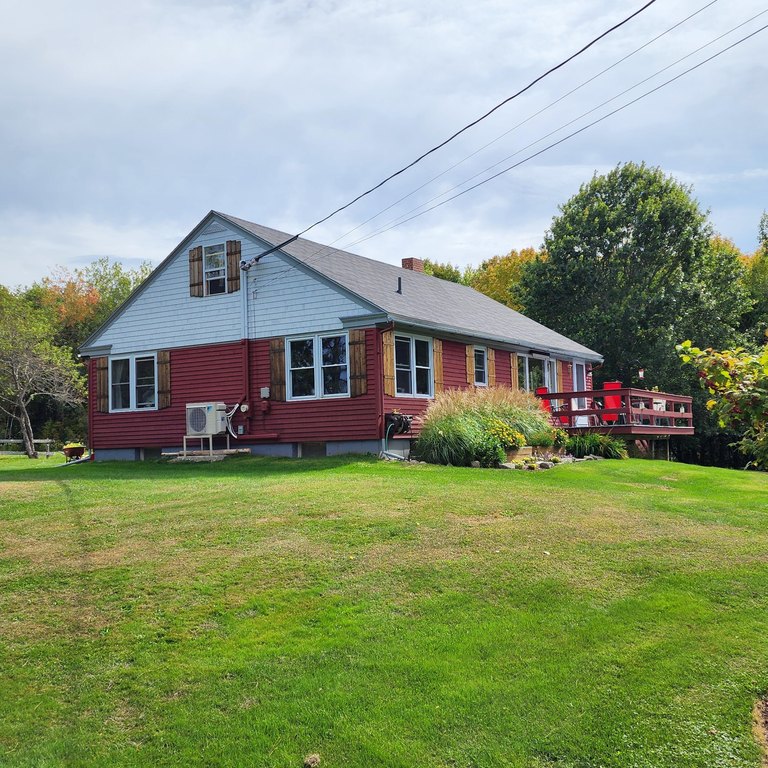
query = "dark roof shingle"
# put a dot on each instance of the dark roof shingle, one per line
(425, 300)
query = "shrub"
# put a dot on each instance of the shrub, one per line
(560, 438)
(594, 444)
(521, 411)
(462, 426)
(509, 438)
(543, 439)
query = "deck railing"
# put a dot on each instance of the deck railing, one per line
(626, 411)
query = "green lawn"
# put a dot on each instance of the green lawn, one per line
(250, 612)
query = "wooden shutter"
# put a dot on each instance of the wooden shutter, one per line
(102, 384)
(196, 271)
(277, 369)
(388, 358)
(358, 364)
(437, 364)
(513, 373)
(233, 266)
(560, 375)
(163, 379)
(470, 364)
(491, 358)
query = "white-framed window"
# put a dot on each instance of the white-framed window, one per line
(481, 367)
(413, 366)
(133, 383)
(317, 366)
(536, 372)
(215, 269)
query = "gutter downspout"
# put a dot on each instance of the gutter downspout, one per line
(246, 343)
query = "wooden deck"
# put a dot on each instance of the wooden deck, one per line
(624, 412)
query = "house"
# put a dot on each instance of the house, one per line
(309, 347)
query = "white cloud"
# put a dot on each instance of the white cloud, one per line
(124, 123)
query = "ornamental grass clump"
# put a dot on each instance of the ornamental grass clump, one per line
(462, 426)
(594, 444)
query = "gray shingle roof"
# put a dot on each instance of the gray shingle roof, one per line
(425, 301)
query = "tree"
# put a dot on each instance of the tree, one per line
(32, 366)
(447, 271)
(755, 323)
(738, 380)
(632, 268)
(81, 300)
(498, 277)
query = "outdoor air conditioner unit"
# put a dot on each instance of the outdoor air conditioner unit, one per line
(206, 418)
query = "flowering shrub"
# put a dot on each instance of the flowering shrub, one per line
(560, 438)
(509, 438)
(462, 426)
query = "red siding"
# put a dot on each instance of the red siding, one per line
(454, 365)
(566, 385)
(198, 374)
(503, 372)
(454, 377)
(347, 418)
(216, 373)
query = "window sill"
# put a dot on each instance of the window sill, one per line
(132, 410)
(315, 399)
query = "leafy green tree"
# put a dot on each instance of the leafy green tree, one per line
(80, 300)
(447, 271)
(738, 382)
(499, 276)
(31, 366)
(756, 319)
(632, 268)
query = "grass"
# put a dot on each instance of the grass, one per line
(250, 612)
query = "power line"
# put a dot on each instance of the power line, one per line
(388, 224)
(528, 119)
(393, 224)
(464, 129)
(575, 133)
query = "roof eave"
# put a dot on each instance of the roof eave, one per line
(504, 342)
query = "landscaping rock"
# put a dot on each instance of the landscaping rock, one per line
(546, 465)
(474, 464)
(507, 466)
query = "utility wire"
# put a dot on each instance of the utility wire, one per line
(464, 129)
(577, 132)
(388, 224)
(527, 120)
(325, 249)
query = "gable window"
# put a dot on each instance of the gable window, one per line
(214, 269)
(318, 366)
(413, 366)
(133, 383)
(481, 367)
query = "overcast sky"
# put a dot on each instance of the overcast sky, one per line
(123, 124)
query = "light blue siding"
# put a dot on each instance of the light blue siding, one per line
(284, 299)
(164, 315)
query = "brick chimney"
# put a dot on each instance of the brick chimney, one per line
(415, 265)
